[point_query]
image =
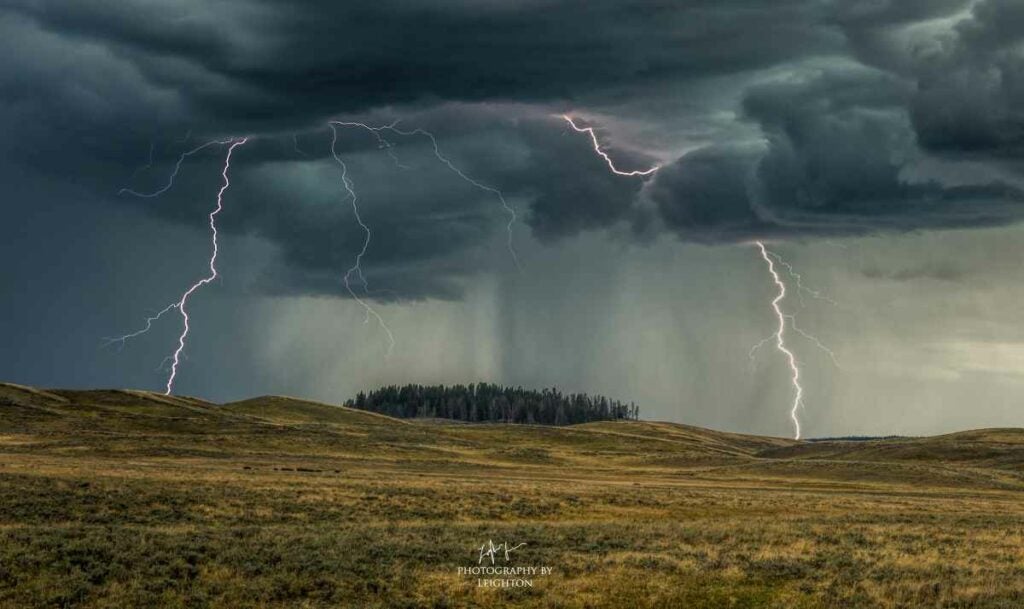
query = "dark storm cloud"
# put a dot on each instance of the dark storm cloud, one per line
(971, 98)
(280, 61)
(837, 147)
(834, 105)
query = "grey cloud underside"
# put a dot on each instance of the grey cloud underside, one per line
(830, 110)
(934, 272)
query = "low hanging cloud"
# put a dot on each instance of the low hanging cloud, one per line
(823, 121)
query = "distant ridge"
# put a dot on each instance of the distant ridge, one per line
(855, 438)
(280, 424)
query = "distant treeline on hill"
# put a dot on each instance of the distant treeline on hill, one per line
(483, 403)
(855, 438)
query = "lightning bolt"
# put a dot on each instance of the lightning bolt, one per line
(780, 338)
(770, 259)
(149, 324)
(773, 259)
(121, 340)
(149, 163)
(181, 305)
(801, 289)
(174, 174)
(357, 268)
(607, 159)
(384, 144)
(393, 127)
(814, 340)
(295, 145)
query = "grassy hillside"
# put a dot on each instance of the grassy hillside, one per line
(134, 499)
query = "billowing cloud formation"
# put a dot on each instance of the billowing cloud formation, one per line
(837, 160)
(792, 119)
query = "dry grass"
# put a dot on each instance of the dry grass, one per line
(114, 499)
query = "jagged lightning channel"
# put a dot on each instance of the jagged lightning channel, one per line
(383, 142)
(146, 328)
(607, 159)
(121, 340)
(174, 174)
(801, 289)
(780, 339)
(393, 127)
(770, 259)
(357, 268)
(149, 163)
(181, 305)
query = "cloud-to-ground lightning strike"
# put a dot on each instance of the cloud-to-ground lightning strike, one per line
(170, 182)
(607, 159)
(393, 127)
(183, 302)
(770, 258)
(780, 339)
(357, 268)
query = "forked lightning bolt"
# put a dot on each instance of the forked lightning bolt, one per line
(772, 259)
(607, 159)
(183, 302)
(179, 305)
(393, 127)
(357, 268)
(780, 339)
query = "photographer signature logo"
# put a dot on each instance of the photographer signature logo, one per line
(492, 552)
(504, 575)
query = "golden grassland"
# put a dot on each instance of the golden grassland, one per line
(130, 499)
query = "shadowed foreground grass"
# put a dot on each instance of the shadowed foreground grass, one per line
(126, 499)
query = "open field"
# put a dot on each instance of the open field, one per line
(131, 499)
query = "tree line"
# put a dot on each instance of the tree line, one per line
(484, 402)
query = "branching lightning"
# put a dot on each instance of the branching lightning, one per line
(149, 163)
(814, 340)
(607, 159)
(393, 127)
(384, 144)
(177, 355)
(181, 305)
(355, 273)
(780, 339)
(174, 174)
(295, 145)
(772, 259)
(801, 289)
(149, 324)
(357, 268)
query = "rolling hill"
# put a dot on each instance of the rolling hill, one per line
(121, 498)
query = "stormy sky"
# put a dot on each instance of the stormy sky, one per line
(876, 146)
